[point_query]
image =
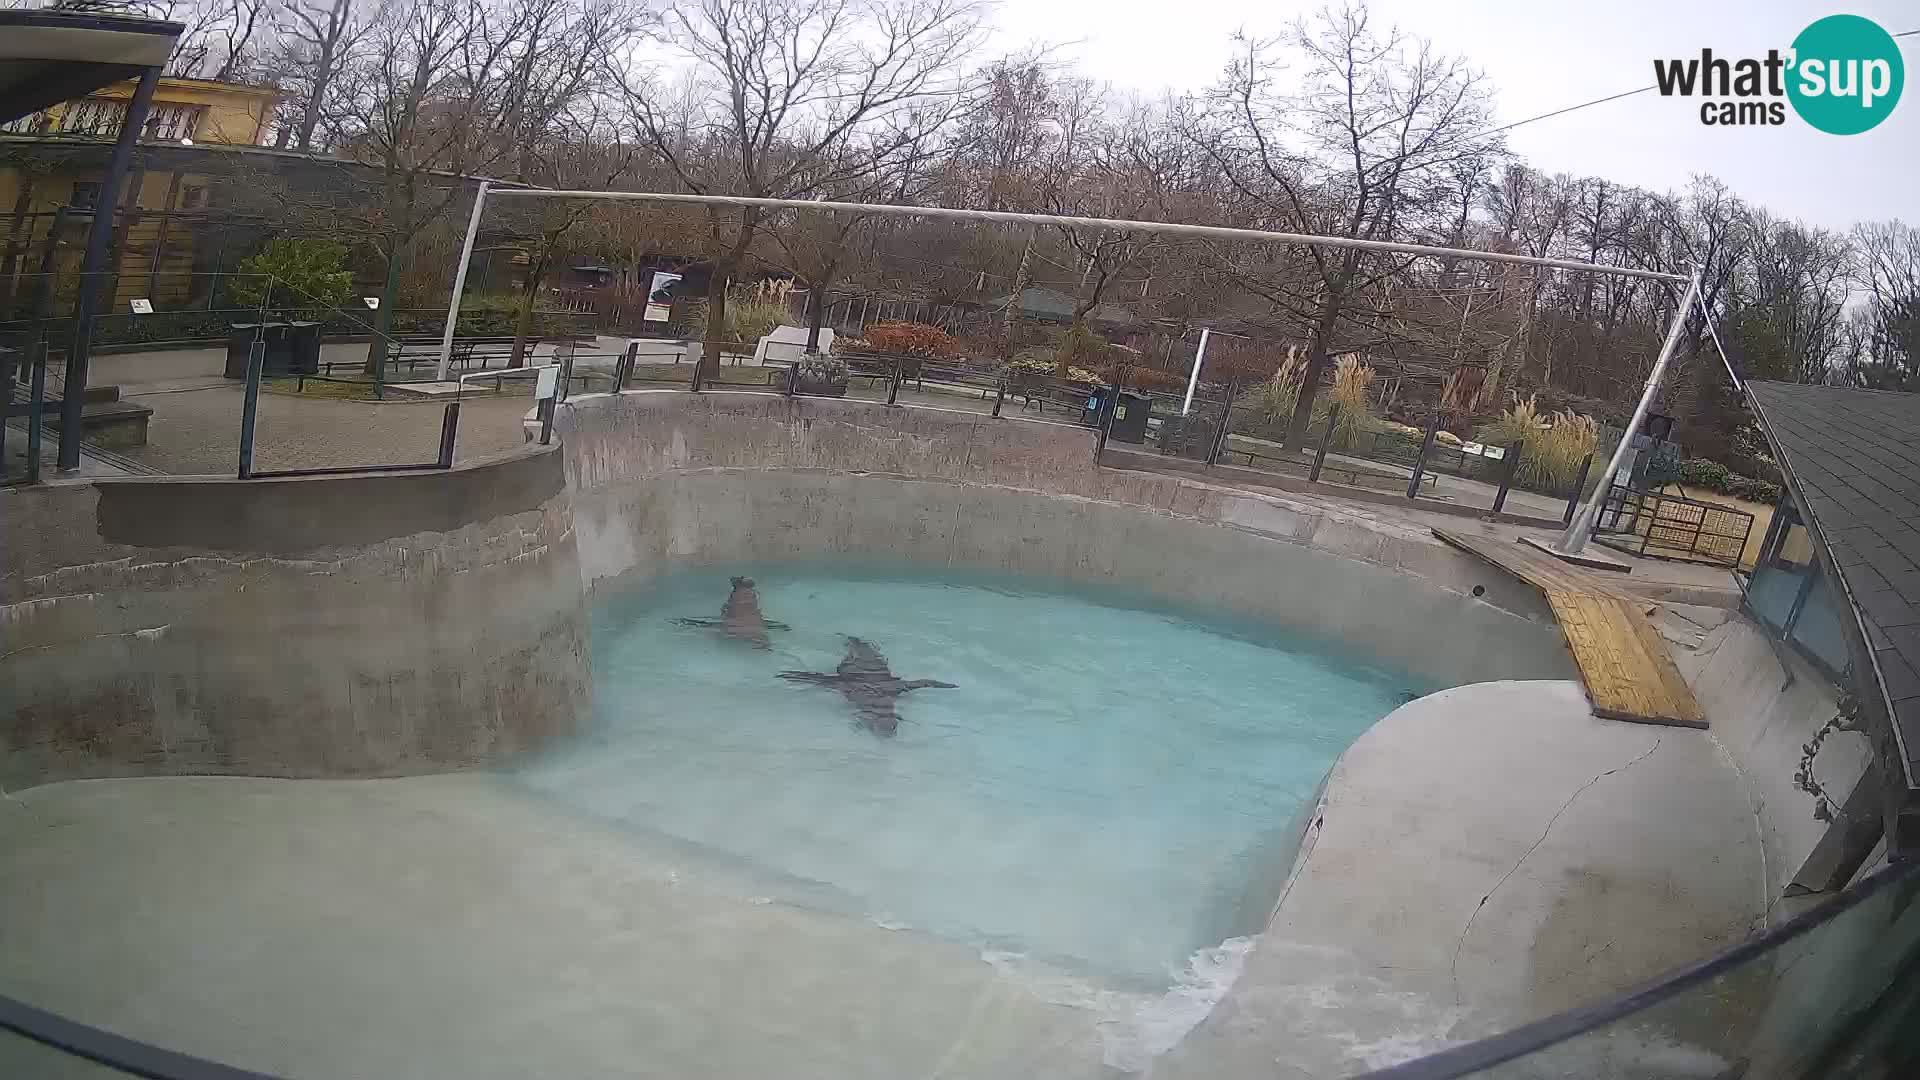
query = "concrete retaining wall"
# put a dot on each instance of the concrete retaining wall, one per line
(340, 626)
(670, 479)
(1765, 703)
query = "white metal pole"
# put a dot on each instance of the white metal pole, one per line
(1575, 538)
(460, 282)
(1109, 224)
(1193, 377)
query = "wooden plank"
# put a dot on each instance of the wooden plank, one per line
(1624, 662)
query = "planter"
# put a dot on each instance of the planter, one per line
(820, 387)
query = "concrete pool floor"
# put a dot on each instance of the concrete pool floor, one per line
(1515, 856)
(448, 926)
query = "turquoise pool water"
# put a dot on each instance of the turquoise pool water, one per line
(1106, 788)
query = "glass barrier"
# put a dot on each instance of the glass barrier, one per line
(1830, 993)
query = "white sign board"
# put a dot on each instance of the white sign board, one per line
(372, 302)
(660, 296)
(548, 385)
(141, 305)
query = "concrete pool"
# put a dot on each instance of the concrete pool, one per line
(499, 920)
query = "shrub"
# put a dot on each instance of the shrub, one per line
(914, 339)
(1521, 422)
(304, 276)
(1351, 380)
(1274, 398)
(751, 316)
(1039, 362)
(1554, 455)
(1713, 476)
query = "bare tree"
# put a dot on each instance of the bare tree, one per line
(1886, 327)
(316, 43)
(789, 98)
(1360, 151)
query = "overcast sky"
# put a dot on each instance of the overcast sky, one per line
(1541, 56)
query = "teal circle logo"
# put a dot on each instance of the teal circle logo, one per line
(1847, 74)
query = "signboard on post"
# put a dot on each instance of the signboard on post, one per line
(660, 296)
(549, 383)
(141, 306)
(372, 302)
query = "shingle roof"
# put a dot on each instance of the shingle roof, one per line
(1852, 459)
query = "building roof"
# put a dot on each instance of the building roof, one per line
(47, 57)
(1852, 462)
(1039, 302)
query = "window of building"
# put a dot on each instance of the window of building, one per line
(86, 195)
(171, 123)
(1791, 596)
(93, 116)
(38, 123)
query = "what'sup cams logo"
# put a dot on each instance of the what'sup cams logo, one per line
(1843, 75)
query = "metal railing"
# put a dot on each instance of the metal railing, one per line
(1672, 527)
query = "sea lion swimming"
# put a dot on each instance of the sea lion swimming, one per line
(740, 617)
(864, 679)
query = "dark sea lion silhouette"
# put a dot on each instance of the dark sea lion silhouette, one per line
(740, 616)
(864, 679)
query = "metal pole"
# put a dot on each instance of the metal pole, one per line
(74, 382)
(1093, 224)
(1579, 484)
(1420, 463)
(1581, 527)
(36, 408)
(893, 385)
(460, 281)
(999, 397)
(1326, 439)
(1507, 475)
(1226, 424)
(449, 431)
(249, 405)
(1193, 377)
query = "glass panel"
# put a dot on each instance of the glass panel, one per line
(1819, 629)
(1834, 1003)
(1776, 585)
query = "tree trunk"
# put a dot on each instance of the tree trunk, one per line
(816, 315)
(522, 326)
(523, 321)
(376, 365)
(1310, 379)
(717, 292)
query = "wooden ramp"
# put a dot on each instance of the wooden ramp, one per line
(1623, 660)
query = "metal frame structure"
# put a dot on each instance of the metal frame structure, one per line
(1578, 530)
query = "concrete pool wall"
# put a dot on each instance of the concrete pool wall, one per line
(341, 626)
(663, 480)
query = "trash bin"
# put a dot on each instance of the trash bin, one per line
(1130, 418)
(303, 348)
(240, 338)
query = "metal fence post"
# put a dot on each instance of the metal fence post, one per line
(893, 384)
(1579, 485)
(999, 396)
(1226, 423)
(449, 431)
(1507, 474)
(566, 375)
(1420, 463)
(623, 370)
(1326, 440)
(36, 409)
(249, 406)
